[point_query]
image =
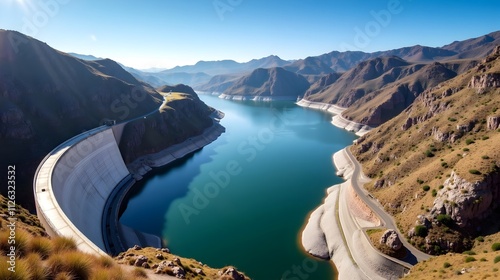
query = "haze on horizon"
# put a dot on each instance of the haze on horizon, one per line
(164, 34)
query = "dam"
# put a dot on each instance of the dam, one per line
(73, 183)
(80, 185)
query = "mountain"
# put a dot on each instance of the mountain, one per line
(273, 82)
(221, 67)
(47, 96)
(358, 81)
(489, 40)
(381, 105)
(322, 83)
(219, 83)
(378, 89)
(436, 165)
(309, 66)
(85, 56)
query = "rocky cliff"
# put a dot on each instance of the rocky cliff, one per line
(436, 165)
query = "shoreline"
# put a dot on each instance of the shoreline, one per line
(142, 165)
(257, 98)
(333, 232)
(337, 120)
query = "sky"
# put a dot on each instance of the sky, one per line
(167, 33)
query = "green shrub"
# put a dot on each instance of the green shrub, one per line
(445, 219)
(480, 239)
(429, 153)
(485, 157)
(421, 231)
(469, 141)
(434, 193)
(496, 259)
(426, 188)
(465, 149)
(441, 187)
(495, 246)
(474, 171)
(470, 259)
(446, 264)
(470, 253)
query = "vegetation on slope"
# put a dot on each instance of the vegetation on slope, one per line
(437, 165)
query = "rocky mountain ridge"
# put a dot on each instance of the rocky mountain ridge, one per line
(436, 165)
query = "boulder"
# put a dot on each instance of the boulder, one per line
(179, 272)
(391, 239)
(140, 260)
(232, 273)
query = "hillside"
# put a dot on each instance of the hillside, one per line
(379, 106)
(359, 81)
(48, 97)
(219, 83)
(274, 82)
(436, 166)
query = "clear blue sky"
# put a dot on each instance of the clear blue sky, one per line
(167, 33)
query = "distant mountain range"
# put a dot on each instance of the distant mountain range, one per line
(367, 84)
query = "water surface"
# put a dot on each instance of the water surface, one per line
(243, 199)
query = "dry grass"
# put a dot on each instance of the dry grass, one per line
(402, 163)
(407, 160)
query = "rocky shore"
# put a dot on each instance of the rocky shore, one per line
(257, 98)
(142, 165)
(335, 231)
(337, 119)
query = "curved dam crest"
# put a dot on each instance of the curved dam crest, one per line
(73, 183)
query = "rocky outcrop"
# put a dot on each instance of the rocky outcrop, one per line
(467, 202)
(493, 122)
(232, 273)
(391, 239)
(481, 82)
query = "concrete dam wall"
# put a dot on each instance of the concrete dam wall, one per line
(73, 183)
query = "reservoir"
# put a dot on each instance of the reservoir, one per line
(243, 199)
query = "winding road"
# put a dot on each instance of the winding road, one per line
(413, 254)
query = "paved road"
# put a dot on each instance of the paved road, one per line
(414, 255)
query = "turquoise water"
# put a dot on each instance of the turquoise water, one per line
(243, 199)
